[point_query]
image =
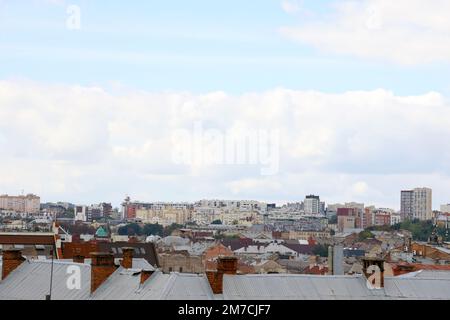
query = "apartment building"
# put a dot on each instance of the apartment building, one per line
(29, 203)
(416, 204)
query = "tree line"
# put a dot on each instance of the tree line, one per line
(135, 229)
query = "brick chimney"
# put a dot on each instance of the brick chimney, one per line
(225, 265)
(127, 261)
(102, 266)
(12, 258)
(145, 274)
(78, 258)
(370, 268)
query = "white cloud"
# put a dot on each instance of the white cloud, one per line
(291, 6)
(401, 31)
(86, 144)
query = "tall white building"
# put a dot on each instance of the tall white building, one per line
(417, 204)
(312, 204)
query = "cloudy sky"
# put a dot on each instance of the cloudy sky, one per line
(356, 90)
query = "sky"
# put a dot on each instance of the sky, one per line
(97, 99)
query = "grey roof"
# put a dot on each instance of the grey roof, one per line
(417, 288)
(295, 287)
(31, 281)
(124, 284)
(428, 274)
(307, 287)
(138, 263)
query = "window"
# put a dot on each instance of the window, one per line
(181, 269)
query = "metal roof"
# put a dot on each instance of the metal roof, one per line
(417, 288)
(138, 263)
(428, 274)
(31, 281)
(434, 274)
(307, 287)
(124, 284)
(296, 287)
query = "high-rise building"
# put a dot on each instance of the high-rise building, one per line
(416, 204)
(312, 204)
(406, 204)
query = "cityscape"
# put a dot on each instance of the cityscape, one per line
(208, 249)
(230, 158)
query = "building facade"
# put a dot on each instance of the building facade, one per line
(312, 204)
(416, 204)
(21, 204)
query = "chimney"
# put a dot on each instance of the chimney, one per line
(78, 258)
(330, 260)
(12, 258)
(145, 274)
(127, 261)
(373, 269)
(225, 265)
(102, 266)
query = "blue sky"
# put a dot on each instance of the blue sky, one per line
(198, 45)
(357, 88)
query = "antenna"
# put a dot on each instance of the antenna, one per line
(49, 296)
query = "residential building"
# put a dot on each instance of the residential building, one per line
(445, 208)
(416, 204)
(312, 204)
(81, 213)
(29, 203)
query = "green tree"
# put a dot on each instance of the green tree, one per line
(153, 229)
(366, 234)
(217, 222)
(132, 229)
(420, 230)
(321, 250)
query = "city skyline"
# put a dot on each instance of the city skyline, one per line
(352, 95)
(434, 206)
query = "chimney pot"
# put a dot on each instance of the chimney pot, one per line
(102, 266)
(378, 262)
(12, 258)
(225, 265)
(127, 261)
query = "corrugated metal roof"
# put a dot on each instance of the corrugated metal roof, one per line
(434, 274)
(296, 287)
(121, 285)
(417, 288)
(305, 287)
(138, 263)
(31, 281)
(125, 285)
